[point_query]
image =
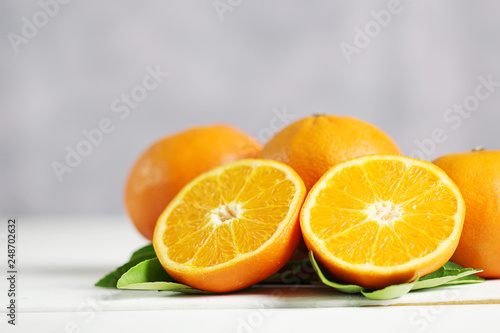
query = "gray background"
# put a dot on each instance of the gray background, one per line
(264, 56)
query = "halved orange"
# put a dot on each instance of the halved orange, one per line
(232, 226)
(380, 220)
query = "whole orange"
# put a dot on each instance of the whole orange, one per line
(477, 175)
(169, 164)
(314, 144)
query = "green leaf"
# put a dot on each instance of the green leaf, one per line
(443, 277)
(389, 292)
(110, 280)
(465, 280)
(146, 251)
(452, 265)
(146, 271)
(345, 288)
(166, 286)
(150, 275)
(448, 275)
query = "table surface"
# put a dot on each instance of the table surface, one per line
(60, 258)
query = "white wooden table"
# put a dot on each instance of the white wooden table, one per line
(59, 260)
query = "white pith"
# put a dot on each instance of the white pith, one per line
(384, 212)
(225, 213)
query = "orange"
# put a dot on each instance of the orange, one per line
(169, 164)
(314, 144)
(381, 220)
(477, 175)
(231, 227)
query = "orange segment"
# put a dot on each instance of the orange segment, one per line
(384, 177)
(354, 244)
(231, 227)
(344, 182)
(439, 226)
(416, 242)
(437, 200)
(232, 181)
(330, 221)
(218, 248)
(177, 228)
(388, 250)
(380, 220)
(337, 195)
(185, 248)
(414, 182)
(252, 234)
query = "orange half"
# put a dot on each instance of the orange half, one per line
(231, 227)
(380, 220)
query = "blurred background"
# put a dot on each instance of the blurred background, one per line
(426, 72)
